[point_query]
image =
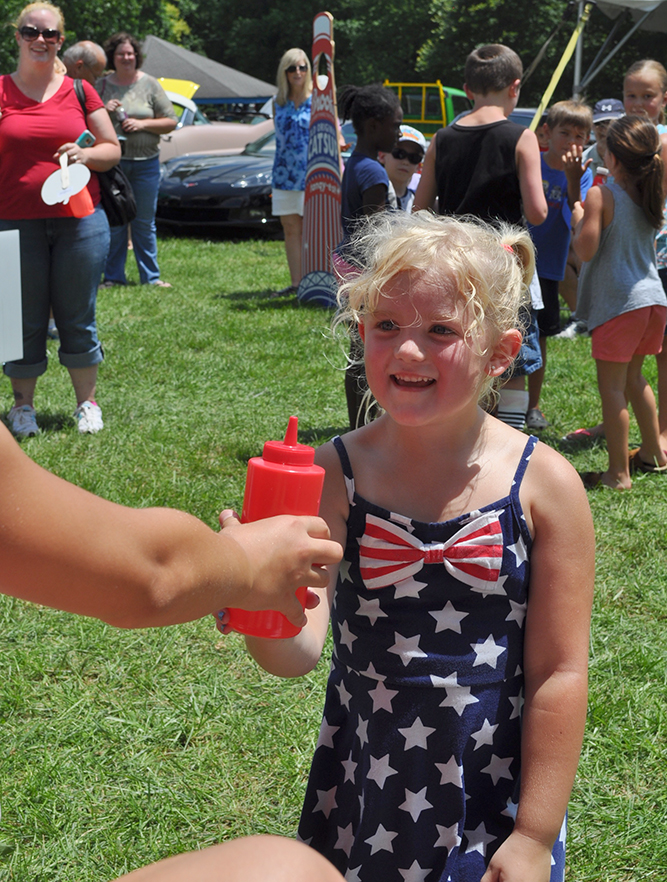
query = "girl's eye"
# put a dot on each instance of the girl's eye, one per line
(386, 325)
(441, 329)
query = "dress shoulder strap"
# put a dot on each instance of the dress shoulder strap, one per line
(344, 458)
(523, 464)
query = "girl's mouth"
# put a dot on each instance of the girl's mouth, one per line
(412, 382)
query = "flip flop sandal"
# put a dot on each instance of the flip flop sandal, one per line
(637, 464)
(581, 435)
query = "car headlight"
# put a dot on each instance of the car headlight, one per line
(258, 180)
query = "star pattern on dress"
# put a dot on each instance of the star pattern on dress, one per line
(448, 618)
(517, 613)
(448, 837)
(415, 873)
(344, 570)
(407, 648)
(350, 768)
(437, 656)
(487, 653)
(347, 638)
(484, 735)
(408, 588)
(371, 608)
(519, 551)
(362, 731)
(326, 801)
(381, 840)
(451, 772)
(380, 770)
(478, 839)
(382, 697)
(499, 767)
(344, 695)
(327, 733)
(416, 734)
(345, 839)
(415, 803)
(458, 697)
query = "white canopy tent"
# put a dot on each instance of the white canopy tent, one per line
(647, 15)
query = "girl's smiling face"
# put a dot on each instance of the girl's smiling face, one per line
(419, 365)
(38, 50)
(643, 93)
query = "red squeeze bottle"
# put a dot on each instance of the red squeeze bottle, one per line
(283, 480)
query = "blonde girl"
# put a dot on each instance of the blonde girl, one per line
(291, 114)
(457, 695)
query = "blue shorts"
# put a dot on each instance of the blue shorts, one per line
(529, 358)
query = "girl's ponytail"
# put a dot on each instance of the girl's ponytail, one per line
(361, 103)
(634, 141)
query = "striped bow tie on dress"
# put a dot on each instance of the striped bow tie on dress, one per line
(389, 553)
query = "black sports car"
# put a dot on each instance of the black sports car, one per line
(215, 189)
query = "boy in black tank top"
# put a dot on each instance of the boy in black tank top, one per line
(488, 166)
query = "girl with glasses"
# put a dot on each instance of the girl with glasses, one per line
(62, 256)
(291, 115)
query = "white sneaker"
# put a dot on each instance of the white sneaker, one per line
(572, 330)
(88, 416)
(23, 421)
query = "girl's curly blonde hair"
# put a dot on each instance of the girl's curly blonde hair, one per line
(490, 266)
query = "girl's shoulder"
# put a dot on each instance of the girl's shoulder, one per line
(551, 490)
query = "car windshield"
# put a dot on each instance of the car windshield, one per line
(264, 146)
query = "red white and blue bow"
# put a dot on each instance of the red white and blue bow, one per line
(389, 553)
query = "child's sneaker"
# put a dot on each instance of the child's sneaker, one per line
(88, 416)
(23, 421)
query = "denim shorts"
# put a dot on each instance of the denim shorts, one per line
(61, 265)
(529, 358)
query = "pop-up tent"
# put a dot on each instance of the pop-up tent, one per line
(647, 15)
(218, 84)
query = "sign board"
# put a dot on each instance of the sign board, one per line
(11, 324)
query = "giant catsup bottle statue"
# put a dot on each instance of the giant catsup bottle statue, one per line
(283, 480)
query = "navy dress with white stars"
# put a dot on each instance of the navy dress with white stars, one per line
(416, 773)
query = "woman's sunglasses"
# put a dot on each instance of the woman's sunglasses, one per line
(30, 33)
(413, 158)
(293, 68)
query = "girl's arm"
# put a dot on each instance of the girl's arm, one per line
(374, 199)
(589, 220)
(137, 568)
(555, 664)
(529, 170)
(298, 655)
(427, 188)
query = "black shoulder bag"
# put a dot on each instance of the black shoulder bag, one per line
(116, 192)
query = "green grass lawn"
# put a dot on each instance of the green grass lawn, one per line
(120, 748)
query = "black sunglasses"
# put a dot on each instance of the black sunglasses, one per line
(30, 33)
(293, 68)
(413, 158)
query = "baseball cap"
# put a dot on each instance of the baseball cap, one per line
(408, 133)
(608, 108)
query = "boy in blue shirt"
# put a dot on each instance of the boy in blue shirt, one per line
(566, 179)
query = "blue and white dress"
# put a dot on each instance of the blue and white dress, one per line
(416, 773)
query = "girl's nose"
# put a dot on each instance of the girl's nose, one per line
(408, 348)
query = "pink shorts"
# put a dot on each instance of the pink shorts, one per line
(638, 332)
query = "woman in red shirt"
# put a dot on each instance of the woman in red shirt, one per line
(62, 256)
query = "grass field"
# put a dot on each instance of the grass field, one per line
(123, 747)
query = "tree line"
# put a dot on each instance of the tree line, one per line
(375, 39)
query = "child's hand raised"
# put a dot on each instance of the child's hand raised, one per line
(573, 163)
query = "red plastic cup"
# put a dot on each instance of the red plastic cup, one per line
(81, 203)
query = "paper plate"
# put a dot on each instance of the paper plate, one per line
(65, 182)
